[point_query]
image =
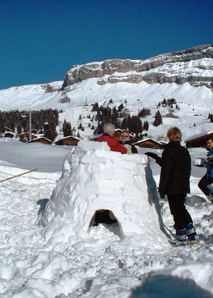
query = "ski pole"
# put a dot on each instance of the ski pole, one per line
(18, 175)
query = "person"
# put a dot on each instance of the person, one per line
(125, 139)
(207, 179)
(174, 182)
(107, 136)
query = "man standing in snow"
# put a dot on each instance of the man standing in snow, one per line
(174, 182)
(109, 131)
(207, 179)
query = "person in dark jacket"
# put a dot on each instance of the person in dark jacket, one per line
(207, 179)
(107, 136)
(174, 182)
(125, 139)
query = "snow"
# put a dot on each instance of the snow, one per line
(80, 97)
(185, 68)
(65, 258)
(120, 183)
(98, 263)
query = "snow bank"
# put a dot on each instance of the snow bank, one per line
(95, 178)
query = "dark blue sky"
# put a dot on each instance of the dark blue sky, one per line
(42, 39)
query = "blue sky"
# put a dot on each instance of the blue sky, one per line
(42, 39)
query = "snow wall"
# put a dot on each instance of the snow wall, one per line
(95, 178)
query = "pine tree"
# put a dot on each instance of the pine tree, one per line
(144, 112)
(50, 131)
(67, 129)
(95, 107)
(158, 119)
(126, 122)
(136, 125)
(146, 125)
(2, 123)
(120, 108)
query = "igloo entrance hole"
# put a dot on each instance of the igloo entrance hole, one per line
(106, 217)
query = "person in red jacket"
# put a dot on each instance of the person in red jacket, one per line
(107, 136)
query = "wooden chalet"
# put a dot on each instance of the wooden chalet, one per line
(149, 143)
(69, 140)
(8, 134)
(25, 136)
(42, 140)
(198, 140)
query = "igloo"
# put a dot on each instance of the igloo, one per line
(95, 179)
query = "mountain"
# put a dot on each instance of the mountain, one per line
(186, 76)
(193, 66)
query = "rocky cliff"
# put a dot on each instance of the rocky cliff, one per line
(194, 65)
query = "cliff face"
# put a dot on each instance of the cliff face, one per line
(194, 65)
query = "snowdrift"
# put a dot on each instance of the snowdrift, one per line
(95, 179)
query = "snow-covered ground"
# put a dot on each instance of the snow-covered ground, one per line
(99, 264)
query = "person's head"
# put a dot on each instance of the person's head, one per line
(174, 134)
(209, 143)
(125, 136)
(109, 128)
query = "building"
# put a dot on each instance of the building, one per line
(199, 140)
(69, 140)
(25, 136)
(8, 134)
(149, 143)
(42, 140)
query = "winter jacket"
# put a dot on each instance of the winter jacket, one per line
(175, 170)
(112, 143)
(133, 148)
(209, 164)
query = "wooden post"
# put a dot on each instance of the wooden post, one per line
(19, 175)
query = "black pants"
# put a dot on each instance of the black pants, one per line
(204, 181)
(178, 210)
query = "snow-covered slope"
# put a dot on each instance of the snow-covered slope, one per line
(186, 76)
(99, 264)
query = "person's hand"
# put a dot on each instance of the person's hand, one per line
(209, 158)
(151, 154)
(162, 195)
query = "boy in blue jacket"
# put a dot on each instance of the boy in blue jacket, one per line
(207, 179)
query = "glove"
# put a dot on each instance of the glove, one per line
(209, 158)
(153, 155)
(162, 195)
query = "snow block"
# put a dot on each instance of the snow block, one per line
(95, 178)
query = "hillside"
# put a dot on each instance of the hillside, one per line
(186, 76)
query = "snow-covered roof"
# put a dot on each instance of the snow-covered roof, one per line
(67, 137)
(40, 138)
(147, 139)
(201, 134)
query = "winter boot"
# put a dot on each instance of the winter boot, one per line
(181, 238)
(191, 234)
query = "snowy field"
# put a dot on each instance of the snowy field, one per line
(100, 264)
